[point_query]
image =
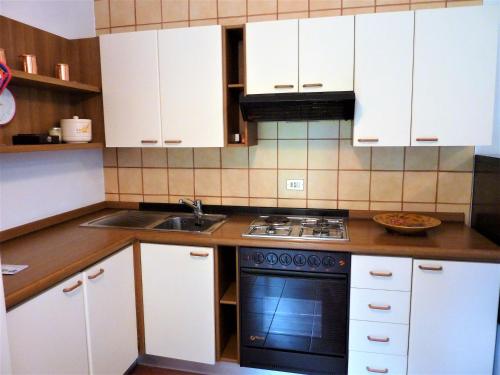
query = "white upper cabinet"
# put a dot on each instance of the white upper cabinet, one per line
(454, 307)
(272, 50)
(191, 87)
(131, 92)
(454, 76)
(383, 79)
(326, 54)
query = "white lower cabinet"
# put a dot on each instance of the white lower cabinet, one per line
(178, 297)
(373, 363)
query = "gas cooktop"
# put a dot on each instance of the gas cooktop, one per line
(299, 227)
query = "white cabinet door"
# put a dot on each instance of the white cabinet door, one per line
(130, 89)
(454, 76)
(383, 79)
(326, 54)
(178, 295)
(191, 87)
(272, 50)
(4, 342)
(47, 333)
(453, 317)
(111, 314)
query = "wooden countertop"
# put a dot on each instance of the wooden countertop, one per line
(55, 253)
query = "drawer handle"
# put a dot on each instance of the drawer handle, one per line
(381, 274)
(71, 288)
(200, 255)
(307, 85)
(149, 141)
(171, 141)
(283, 86)
(430, 268)
(379, 307)
(429, 139)
(377, 370)
(95, 276)
(366, 140)
(377, 339)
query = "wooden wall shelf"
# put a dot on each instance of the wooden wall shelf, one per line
(35, 80)
(11, 149)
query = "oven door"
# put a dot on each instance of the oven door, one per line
(293, 312)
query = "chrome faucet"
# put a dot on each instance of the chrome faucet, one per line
(196, 205)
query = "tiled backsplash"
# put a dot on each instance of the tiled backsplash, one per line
(335, 174)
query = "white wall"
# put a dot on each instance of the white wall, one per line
(71, 19)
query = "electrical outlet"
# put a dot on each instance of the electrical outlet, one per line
(294, 184)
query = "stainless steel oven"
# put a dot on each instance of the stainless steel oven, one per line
(294, 310)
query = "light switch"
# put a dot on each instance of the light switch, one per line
(295, 184)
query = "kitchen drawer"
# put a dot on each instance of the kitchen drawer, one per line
(361, 363)
(375, 337)
(373, 272)
(380, 305)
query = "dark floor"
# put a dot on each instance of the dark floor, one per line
(145, 370)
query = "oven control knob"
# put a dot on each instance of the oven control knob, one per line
(328, 261)
(314, 261)
(299, 260)
(271, 258)
(285, 259)
(258, 258)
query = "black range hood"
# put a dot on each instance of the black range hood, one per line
(335, 105)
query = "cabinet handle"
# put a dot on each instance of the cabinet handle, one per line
(381, 274)
(177, 141)
(377, 370)
(71, 288)
(201, 255)
(379, 307)
(149, 141)
(377, 339)
(430, 268)
(306, 85)
(283, 86)
(363, 140)
(430, 139)
(92, 277)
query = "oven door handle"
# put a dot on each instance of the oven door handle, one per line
(309, 275)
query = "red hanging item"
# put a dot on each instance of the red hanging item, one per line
(5, 77)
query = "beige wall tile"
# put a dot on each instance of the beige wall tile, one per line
(207, 158)
(151, 26)
(233, 20)
(324, 129)
(353, 157)
(231, 201)
(385, 206)
(155, 181)
(175, 198)
(267, 130)
(292, 130)
(354, 11)
(353, 205)
(321, 204)
(173, 25)
(354, 185)
(202, 9)
(323, 154)
(421, 158)
(122, 29)
(292, 203)
(419, 186)
(322, 184)
(154, 157)
(156, 199)
(464, 3)
(130, 180)
(102, 31)
(175, 10)
(207, 182)
(232, 8)
(284, 175)
(392, 8)
(293, 15)
(292, 154)
(263, 202)
(345, 129)
(324, 4)
(129, 157)
(111, 180)
(235, 182)
(122, 12)
(386, 186)
(131, 198)
(109, 157)
(262, 6)
(387, 158)
(292, 5)
(180, 158)
(181, 182)
(456, 159)
(432, 5)
(263, 183)
(210, 200)
(148, 11)
(357, 3)
(460, 208)
(206, 22)
(325, 13)
(263, 17)
(112, 197)
(264, 155)
(419, 207)
(454, 187)
(101, 11)
(234, 157)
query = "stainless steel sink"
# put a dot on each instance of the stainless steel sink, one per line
(158, 221)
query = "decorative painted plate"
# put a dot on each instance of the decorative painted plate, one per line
(7, 107)
(406, 222)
